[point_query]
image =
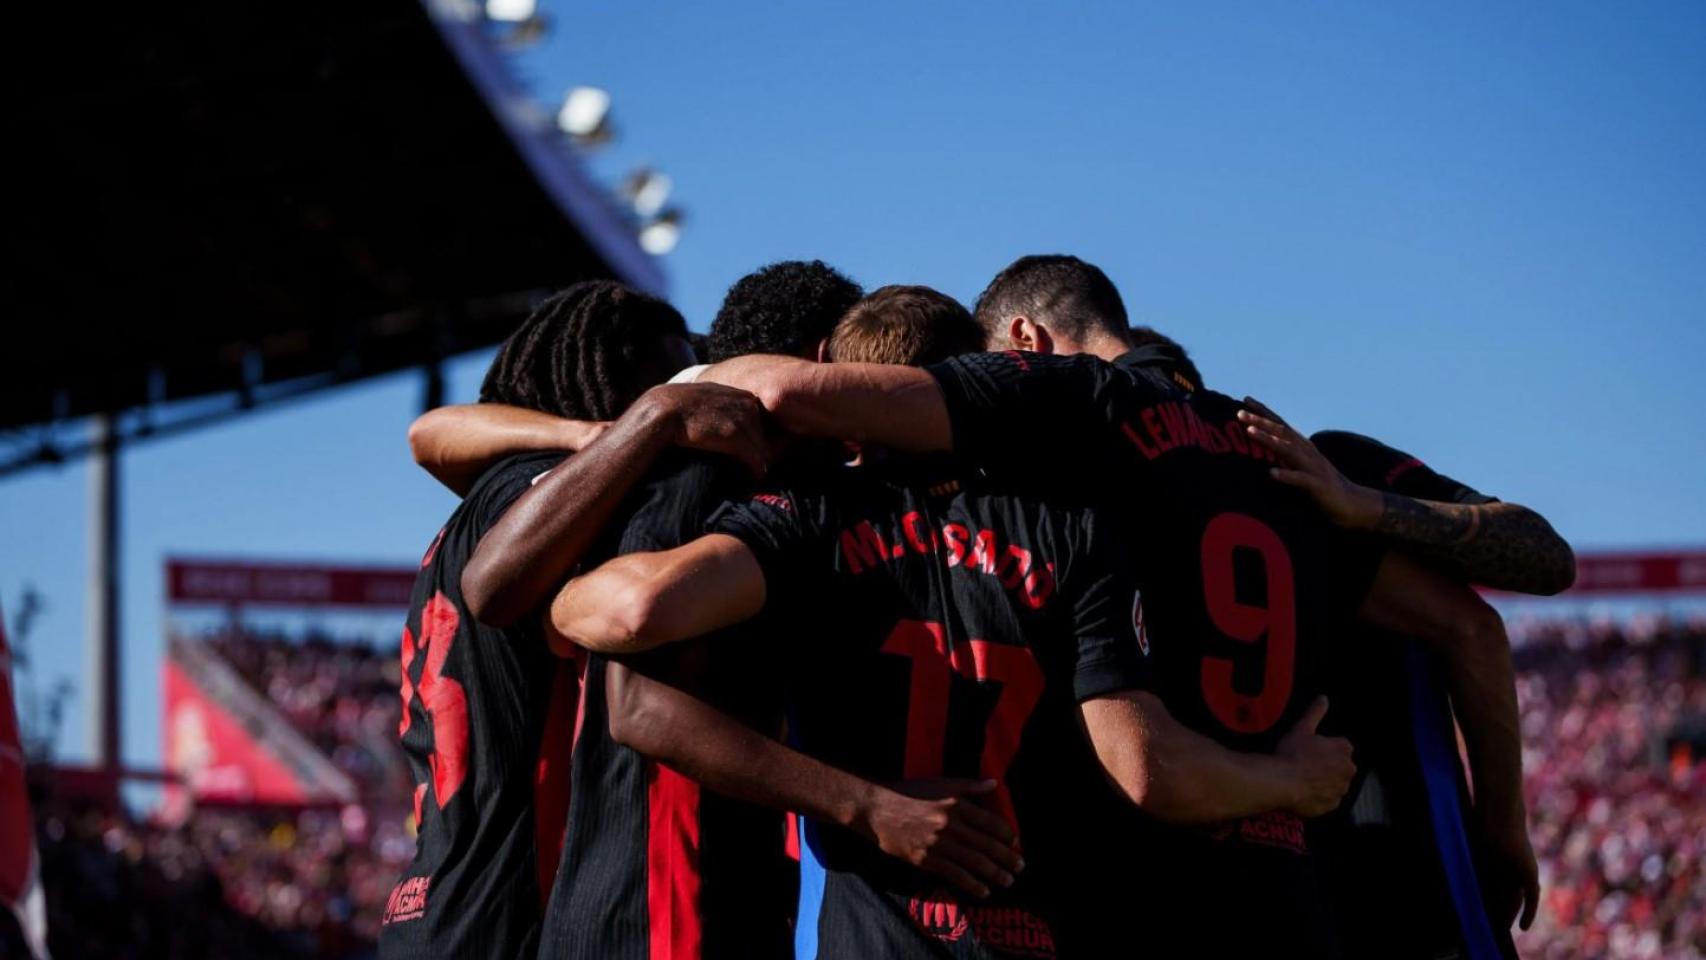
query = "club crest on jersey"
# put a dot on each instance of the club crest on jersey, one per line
(1137, 622)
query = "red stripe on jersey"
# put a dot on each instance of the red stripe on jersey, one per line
(551, 775)
(577, 656)
(672, 865)
(791, 836)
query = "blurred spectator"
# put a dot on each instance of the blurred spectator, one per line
(1616, 787)
(227, 883)
(1614, 730)
(342, 696)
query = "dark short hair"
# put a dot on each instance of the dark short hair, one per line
(1062, 292)
(787, 307)
(1146, 336)
(585, 353)
(908, 325)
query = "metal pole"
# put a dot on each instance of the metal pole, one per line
(103, 639)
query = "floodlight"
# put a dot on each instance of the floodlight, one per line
(511, 11)
(585, 115)
(646, 190)
(661, 235)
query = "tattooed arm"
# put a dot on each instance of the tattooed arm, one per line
(1502, 545)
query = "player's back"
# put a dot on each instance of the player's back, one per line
(933, 635)
(1245, 586)
(654, 866)
(486, 727)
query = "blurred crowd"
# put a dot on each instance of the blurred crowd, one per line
(1613, 751)
(340, 694)
(1614, 728)
(227, 883)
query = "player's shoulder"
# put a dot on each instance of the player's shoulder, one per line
(521, 468)
(1364, 459)
(1021, 367)
(692, 474)
(1348, 443)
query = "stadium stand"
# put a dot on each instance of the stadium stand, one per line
(340, 695)
(266, 884)
(1613, 747)
(271, 880)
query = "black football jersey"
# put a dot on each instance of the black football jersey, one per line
(1397, 855)
(487, 726)
(656, 867)
(1246, 590)
(931, 628)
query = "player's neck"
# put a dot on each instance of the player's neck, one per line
(1102, 348)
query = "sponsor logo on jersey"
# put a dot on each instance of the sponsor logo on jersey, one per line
(407, 901)
(772, 500)
(1013, 931)
(1276, 828)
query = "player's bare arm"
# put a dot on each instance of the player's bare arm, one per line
(1178, 775)
(533, 547)
(456, 444)
(1502, 545)
(949, 834)
(1410, 598)
(640, 601)
(896, 406)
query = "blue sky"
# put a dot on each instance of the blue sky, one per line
(1477, 233)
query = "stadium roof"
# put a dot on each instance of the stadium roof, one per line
(217, 197)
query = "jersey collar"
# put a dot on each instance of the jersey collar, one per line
(1164, 358)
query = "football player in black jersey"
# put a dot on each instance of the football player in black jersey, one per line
(488, 711)
(1244, 568)
(1401, 853)
(939, 628)
(652, 867)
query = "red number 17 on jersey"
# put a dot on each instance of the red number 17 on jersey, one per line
(933, 665)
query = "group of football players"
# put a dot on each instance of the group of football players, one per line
(870, 626)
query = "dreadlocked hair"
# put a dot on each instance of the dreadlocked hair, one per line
(585, 353)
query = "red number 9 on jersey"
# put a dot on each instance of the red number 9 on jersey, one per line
(1248, 623)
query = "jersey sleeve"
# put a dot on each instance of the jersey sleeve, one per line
(1013, 408)
(499, 489)
(1111, 650)
(1373, 464)
(782, 529)
(678, 509)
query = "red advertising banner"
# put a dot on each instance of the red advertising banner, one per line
(214, 754)
(1682, 570)
(17, 836)
(286, 585)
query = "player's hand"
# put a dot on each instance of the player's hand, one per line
(1511, 881)
(1322, 765)
(1305, 467)
(946, 828)
(716, 419)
